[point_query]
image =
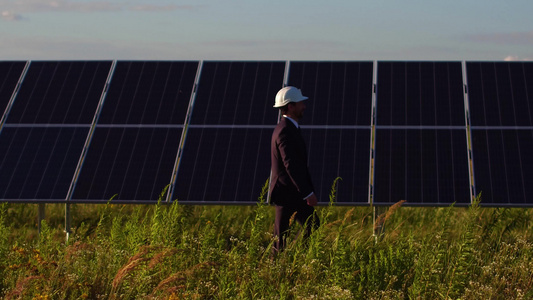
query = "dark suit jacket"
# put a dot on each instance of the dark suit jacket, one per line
(291, 180)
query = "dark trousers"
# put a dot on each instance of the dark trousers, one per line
(305, 215)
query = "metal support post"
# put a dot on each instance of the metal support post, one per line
(40, 215)
(67, 222)
(379, 224)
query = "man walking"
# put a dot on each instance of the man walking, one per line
(291, 187)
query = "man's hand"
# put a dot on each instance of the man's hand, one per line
(312, 200)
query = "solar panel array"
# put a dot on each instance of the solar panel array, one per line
(430, 133)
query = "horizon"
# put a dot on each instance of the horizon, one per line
(244, 30)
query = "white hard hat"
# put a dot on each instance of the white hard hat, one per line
(288, 94)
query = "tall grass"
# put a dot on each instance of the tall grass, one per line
(224, 252)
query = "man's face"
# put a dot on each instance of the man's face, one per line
(296, 110)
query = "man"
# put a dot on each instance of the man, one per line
(291, 188)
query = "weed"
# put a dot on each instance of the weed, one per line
(223, 252)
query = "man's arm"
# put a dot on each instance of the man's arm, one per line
(312, 200)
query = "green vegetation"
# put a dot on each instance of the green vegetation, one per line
(224, 252)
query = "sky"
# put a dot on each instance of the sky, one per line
(266, 30)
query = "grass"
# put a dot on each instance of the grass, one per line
(224, 252)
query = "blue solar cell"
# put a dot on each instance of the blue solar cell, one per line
(420, 93)
(149, 92)
(60, 92)
(39, 162)
(231, 165)
(503, 165)
(10, 73)
(238, 93)
(224, 165)
(131, 163)
(500, 101)
(500, 93)
(428, 166)
(343, 153)
(340, 93)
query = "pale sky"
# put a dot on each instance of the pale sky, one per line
(266, 30)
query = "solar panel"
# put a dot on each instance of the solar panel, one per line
(503, 165)
(500, 101)
(131, 163)
(149, 92)
(226, 153)
(340, 153)
(38, 162)
(44, 134)
(340, 93)
(60, 92)
(421, 166)
(10, 72)
(238, 93)
(500, 93)
(420, 94)
(337, 125)
(136, 140)
(420, 140)
(224, 165)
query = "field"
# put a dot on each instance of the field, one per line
(224, 252)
